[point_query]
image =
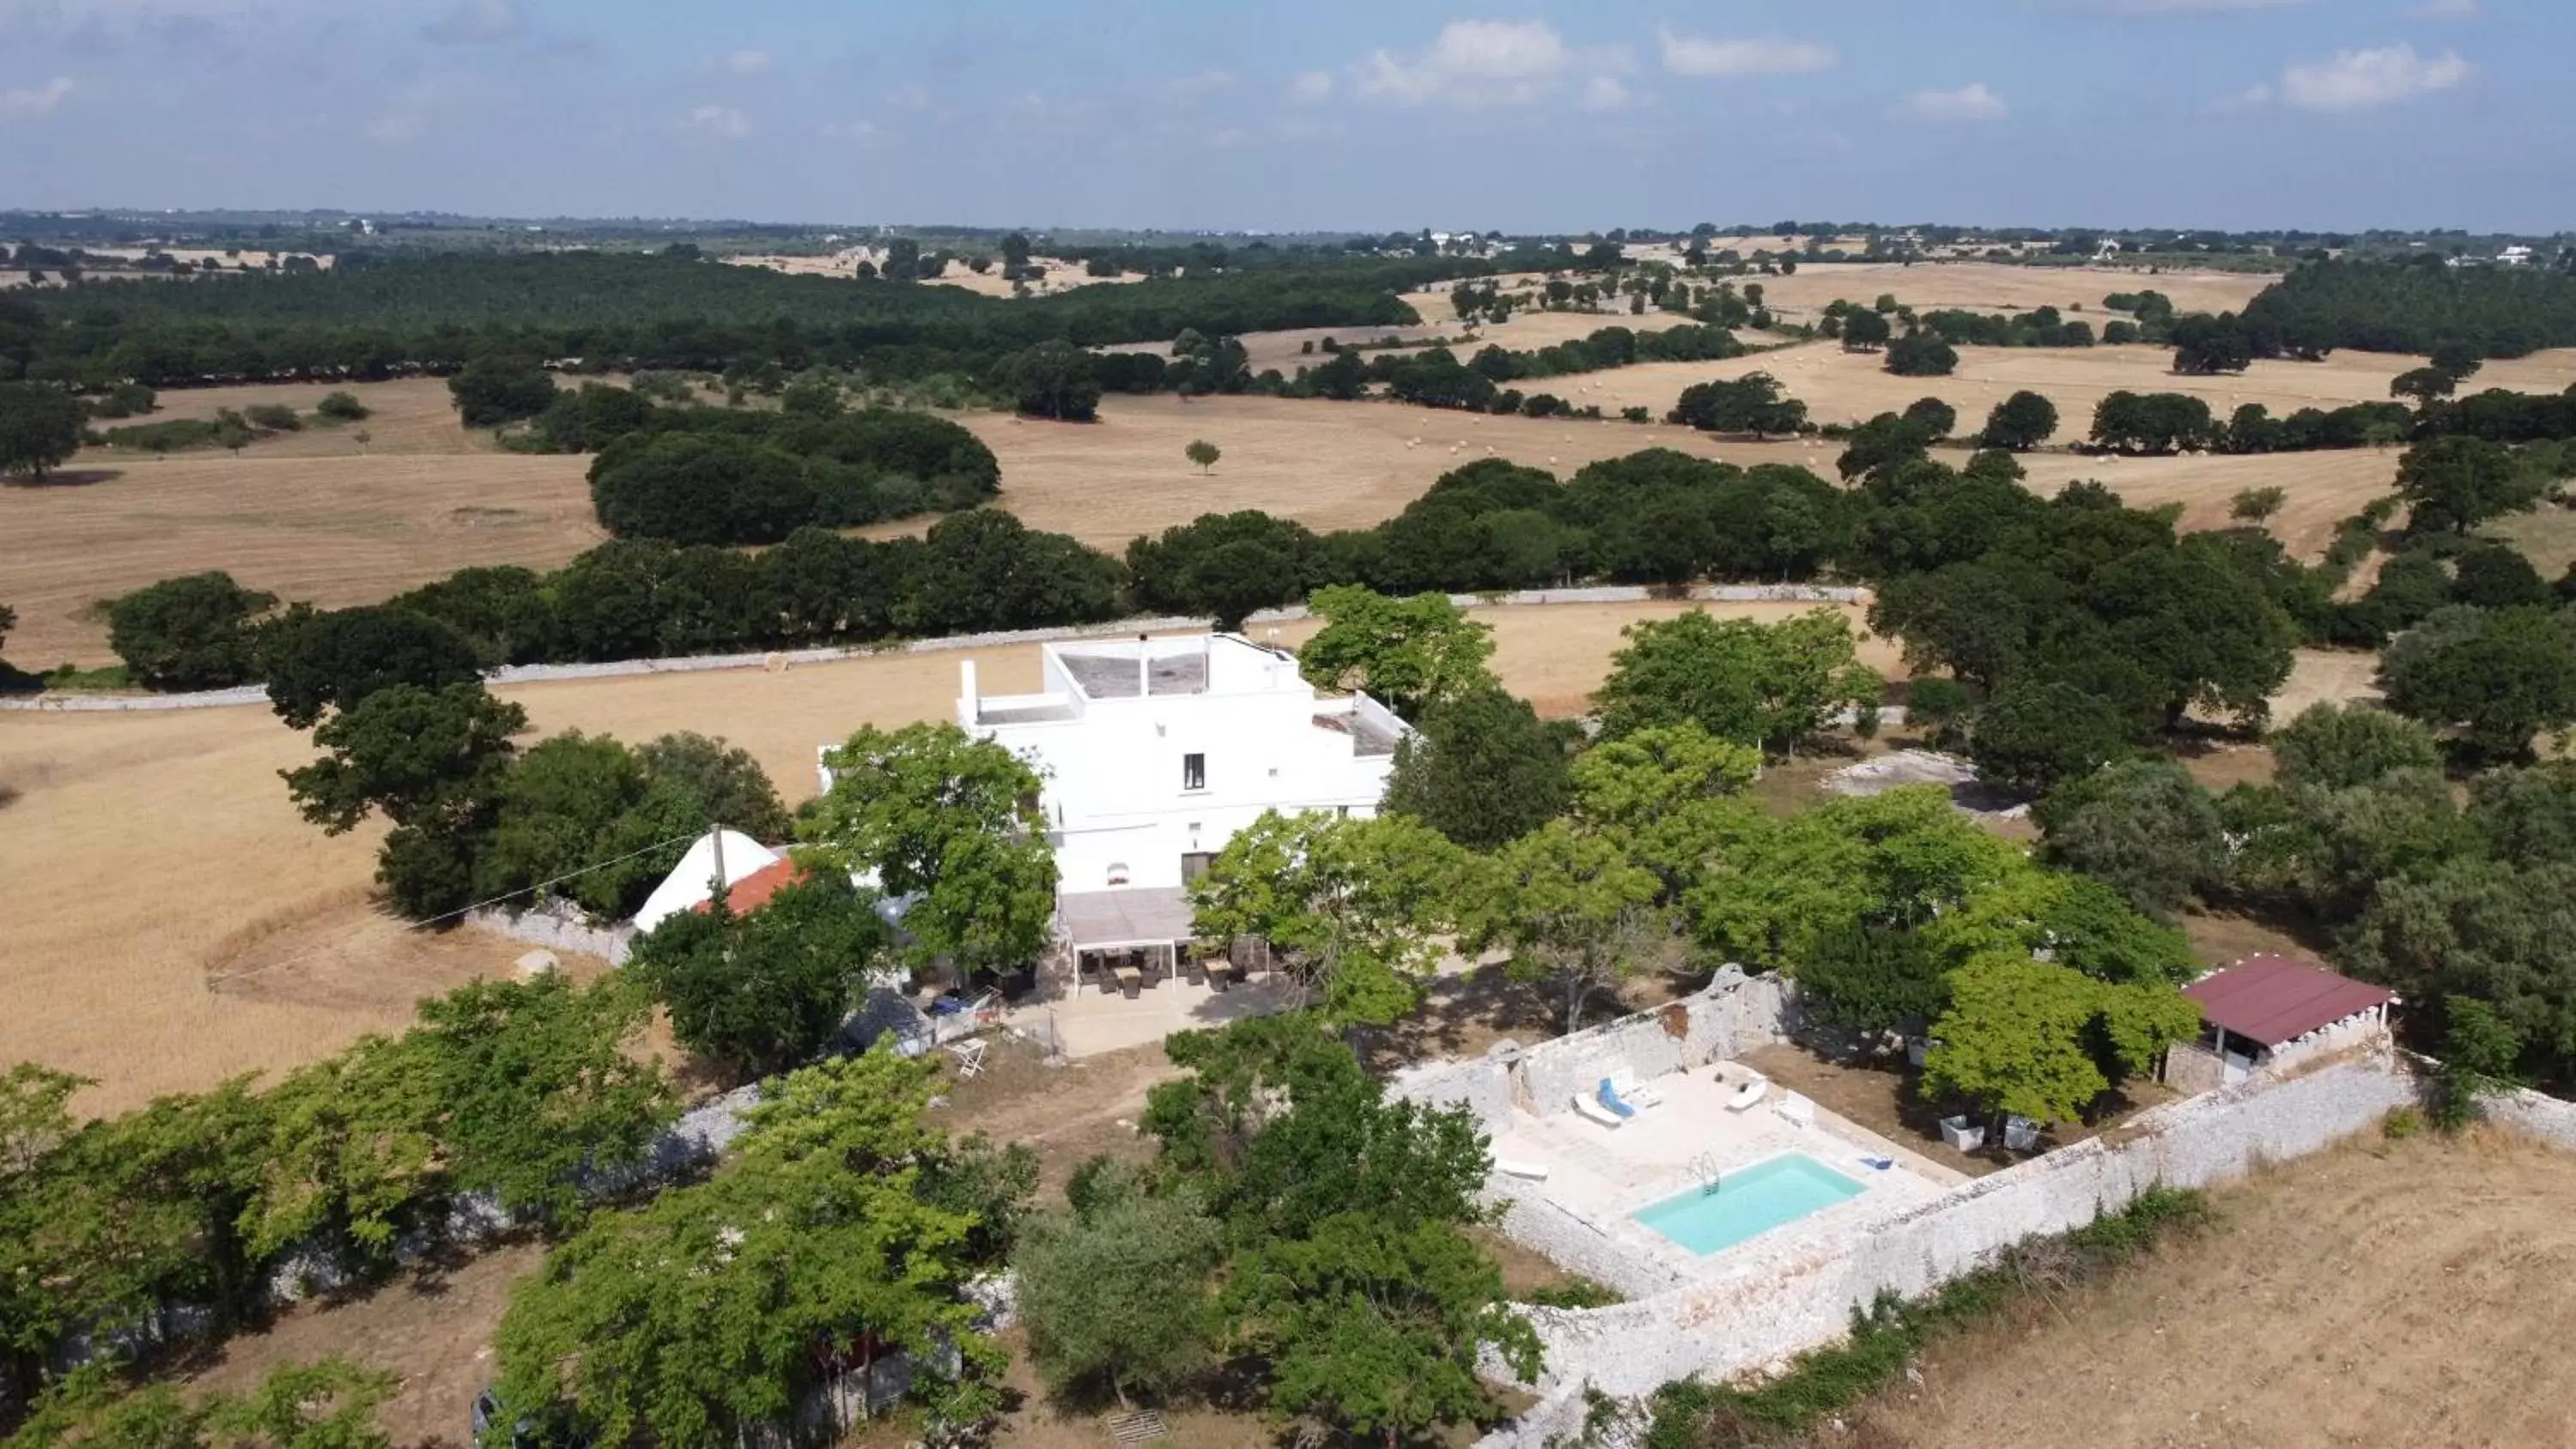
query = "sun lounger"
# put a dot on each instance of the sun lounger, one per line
(1534, 1171)
(1748, 1094)
(1590, 1106)
(1611, 1099)
(1637, 1094)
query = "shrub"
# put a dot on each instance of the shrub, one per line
(341, 407)
(275, 417)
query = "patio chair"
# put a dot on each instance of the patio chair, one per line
(1590, 1107)
(1611, 1100)
(1637, 1094)
(970, 1056)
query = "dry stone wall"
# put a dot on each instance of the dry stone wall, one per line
(1764, 1307)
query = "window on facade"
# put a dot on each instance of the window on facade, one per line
(1193, 772)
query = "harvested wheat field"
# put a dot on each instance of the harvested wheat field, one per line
(2383, 1293)
(336, 531)
(1328, 465)
(1840, 386)
(2324, 488)
(173, 922)
(410, 415)
(1996, 287)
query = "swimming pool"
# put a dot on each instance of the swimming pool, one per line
(1748, 1203)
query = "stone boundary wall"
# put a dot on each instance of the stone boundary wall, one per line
(2547, 1118)
(1767, 1306)
(558, 927)
(1115, 629)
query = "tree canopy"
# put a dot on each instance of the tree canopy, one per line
(1407, 652)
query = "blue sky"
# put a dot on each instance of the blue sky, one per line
(1321, 114)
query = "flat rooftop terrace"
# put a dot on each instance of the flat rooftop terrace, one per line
(1110, 676)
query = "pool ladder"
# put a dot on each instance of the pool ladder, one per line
(1704, 1167)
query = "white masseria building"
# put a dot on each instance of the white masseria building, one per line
(1156, 751)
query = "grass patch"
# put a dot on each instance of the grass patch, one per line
(1890, 1333)
(72, 679)
(1575, 1292)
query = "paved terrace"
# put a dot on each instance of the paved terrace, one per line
(1601, 1175)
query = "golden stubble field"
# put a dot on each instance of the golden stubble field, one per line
(2382, 1293)
(172, 922)
(1840, 386)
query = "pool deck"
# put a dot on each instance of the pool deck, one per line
(1603, 1175)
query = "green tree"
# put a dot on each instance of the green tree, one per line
(2339, 746)
(575, 819)
(342, 407)
(2036, 733)
(1054, 379)
(1772, 685)
(1376, 1326)
(315, 661)
(1203, 454)
(1922, 353)
(330, 1404)
(1118, 1292)
(1576, 913)
(2456, 483)
(1940, 709)
(2498, 677)
(721, 783)
(2019, 1036)
(1873, 981)
(40, 428)
(2479, 1055)
(1483, 770)
(2423, 384)
(408, 753)
(2496, 576)
(716, 1307)
(2143, 827)
(1865, 331)
(493, 391)
(764, 991)
(1349, 907)
(1755, 403)
(951, 821)
(2254, 505)
(1406, 652)
(195, 632)
(2019, 423)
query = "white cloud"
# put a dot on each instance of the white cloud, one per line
(1480, 63)
(1311, 88)
(1971, 102)
(749, 62)
(36, 102)
(2448, 10)
(1691, 55)
(1605, 93)
(723, 122)
(479, 22)
(866, 134)
(2353, 80)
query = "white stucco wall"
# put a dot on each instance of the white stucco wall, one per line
(1115, 793)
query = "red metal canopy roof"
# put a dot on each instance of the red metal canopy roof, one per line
(754, 890)
(2273, 999)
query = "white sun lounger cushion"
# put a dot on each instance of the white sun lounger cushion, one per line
(1748, 1094)
(1534, 1171)
(1590, 1106)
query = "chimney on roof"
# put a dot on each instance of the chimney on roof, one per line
(968, 702)
(1144, 667)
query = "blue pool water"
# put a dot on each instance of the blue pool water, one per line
(1748, 1203)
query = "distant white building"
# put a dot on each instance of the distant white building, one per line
(2514, 256)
